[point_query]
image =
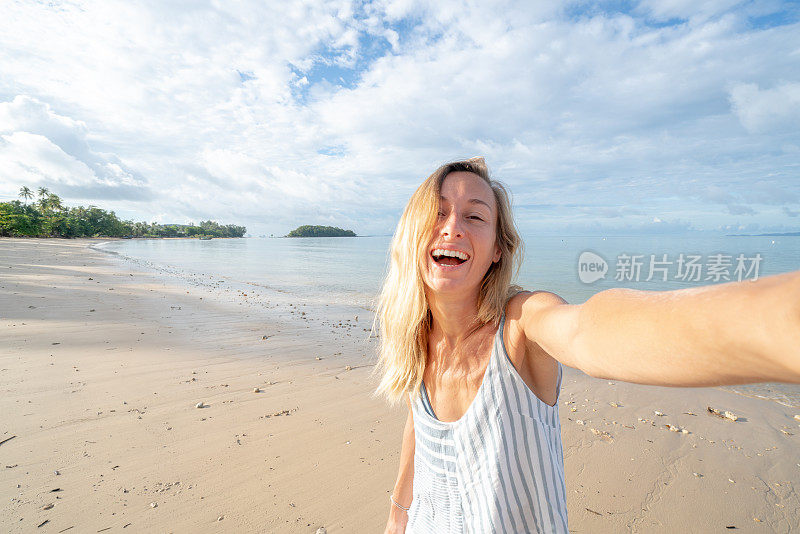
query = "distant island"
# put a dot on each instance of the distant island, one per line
(48, 217)
(764, 235)
(308, 230)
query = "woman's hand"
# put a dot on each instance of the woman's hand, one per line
(398, 519)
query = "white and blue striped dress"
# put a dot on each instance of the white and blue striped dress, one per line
(500, 468)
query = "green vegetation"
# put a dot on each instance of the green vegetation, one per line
(47, 217)
(308, 230)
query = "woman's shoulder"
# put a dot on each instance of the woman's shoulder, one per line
(538, 369)
(530, 300)
(522, 308)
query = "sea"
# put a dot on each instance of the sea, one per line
(350, 270)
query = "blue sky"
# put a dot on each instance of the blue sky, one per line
(667, 116)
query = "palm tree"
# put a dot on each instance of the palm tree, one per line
(52, 201)
(26, 193)
(43, 192)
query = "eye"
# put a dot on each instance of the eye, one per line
(475, 217)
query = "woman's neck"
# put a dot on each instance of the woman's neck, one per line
(454, 318)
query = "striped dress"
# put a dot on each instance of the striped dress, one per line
(500, 468)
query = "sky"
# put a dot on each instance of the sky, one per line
(650, 117)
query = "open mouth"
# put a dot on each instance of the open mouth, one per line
(449, 257)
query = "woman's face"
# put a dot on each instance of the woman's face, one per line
(464, 239)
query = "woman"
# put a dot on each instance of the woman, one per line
(479, 362)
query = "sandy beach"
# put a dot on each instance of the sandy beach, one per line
(103, 363)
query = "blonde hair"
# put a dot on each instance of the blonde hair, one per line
(403, 311)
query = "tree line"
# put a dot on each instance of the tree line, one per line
(46, 216)
(308, 230)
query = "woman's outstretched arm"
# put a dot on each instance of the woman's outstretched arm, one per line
(732, 333)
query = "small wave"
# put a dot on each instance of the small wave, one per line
(783, 394)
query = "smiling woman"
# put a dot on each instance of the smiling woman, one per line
(479, 362)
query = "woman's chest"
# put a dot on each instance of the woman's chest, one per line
(452, 392)
(453, 388)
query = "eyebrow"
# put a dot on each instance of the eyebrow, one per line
(472, 201)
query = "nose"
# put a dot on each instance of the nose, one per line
(451, 226)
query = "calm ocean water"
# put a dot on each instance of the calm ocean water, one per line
(349, 270)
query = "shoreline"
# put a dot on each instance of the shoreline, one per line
(132, 353)
(179, 275)
(107, 359)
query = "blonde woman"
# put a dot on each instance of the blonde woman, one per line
(479, 362)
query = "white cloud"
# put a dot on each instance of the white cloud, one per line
(38, 146)
(767, 110)
(236, 112)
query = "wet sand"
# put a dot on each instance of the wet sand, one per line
(104, 361)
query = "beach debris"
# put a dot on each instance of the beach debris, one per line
(48, 506)
(698, 475)
(797, 417)
(722, 415)
(8, 439)
(348, 368)
(319, 358)
(277, 414)
(43, 523)
(265, 337)
(220, 518)
(153, 505)
(590, 510)
(321, 530)
(675, 428)
(580, 421)
(615, 405)
(200, 405)
(786, 432)
(658, 413)
(602, 434)
(731, 481)
(56, 473)
(690, 413)
(256, 390)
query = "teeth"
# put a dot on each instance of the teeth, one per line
(452, 253)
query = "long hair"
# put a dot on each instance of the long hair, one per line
(403, 312)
